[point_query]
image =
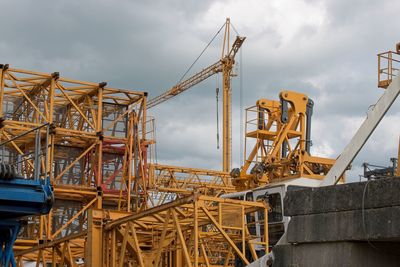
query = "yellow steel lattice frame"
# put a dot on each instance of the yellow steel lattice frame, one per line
(266, 162)
(96, 152)
(97, 155)
(192, 231)
(224, 65)
(184, 180)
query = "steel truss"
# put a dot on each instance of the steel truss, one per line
(280, 132)
(170, 182)
(96, 152)
(195, 230)
(96, 155)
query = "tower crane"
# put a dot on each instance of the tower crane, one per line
(224, 65)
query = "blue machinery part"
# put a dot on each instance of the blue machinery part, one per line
(19, 197)
(8, 234)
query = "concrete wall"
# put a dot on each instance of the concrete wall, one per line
(355, 224)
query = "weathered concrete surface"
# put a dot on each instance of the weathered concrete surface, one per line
(335, 254)
(379, 193)
(382, 224)
(327, 226)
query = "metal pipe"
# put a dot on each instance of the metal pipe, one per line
(36, 170)
(284, 149)
(47, 162)
(309, 112)
(23, 134)
(284, 111)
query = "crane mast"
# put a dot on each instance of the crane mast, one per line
(224, 65)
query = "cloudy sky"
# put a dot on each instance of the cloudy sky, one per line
(326, 49)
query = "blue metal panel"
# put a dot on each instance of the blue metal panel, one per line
(8, 234)
(20, 197)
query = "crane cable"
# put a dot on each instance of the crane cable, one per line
(233, 27)
(216, 98)
(241, 135)
(202, 52)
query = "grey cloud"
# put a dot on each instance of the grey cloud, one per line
(147, 45)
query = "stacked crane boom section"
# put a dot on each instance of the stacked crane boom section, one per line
(94, 151)
(192, 231)
(97, 157)
(195, 230)
(183, 180)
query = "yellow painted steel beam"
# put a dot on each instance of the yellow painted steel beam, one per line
(280, 153)
(79, 150)
(191, 217)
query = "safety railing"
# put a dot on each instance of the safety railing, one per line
(32, 163)
(256, 121)
(388, 67)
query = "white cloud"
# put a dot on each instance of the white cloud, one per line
(253, 17)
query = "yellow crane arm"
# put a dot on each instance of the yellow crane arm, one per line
(198, 77)
(236, 46)
(186, 84)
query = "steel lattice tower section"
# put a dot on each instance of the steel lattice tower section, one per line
(111, 204)
(96, 153)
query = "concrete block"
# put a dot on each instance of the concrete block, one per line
(381, 224)
(379, 193)
(344, 254)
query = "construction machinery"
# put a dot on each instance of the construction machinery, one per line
(272, 163)
(281, 133)
(96, 150)
(224, 65)
(372, 171)
(196, 230)
(338, 233)
(94, 155)
(24, 192)
(171, 182)
(280, 159)
(114, 207)
(20, 197)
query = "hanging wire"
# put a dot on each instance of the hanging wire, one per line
(202, 52)
(230, 129)
(216, 98)
(241, 135)
(233, 27)
(155, 143)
